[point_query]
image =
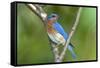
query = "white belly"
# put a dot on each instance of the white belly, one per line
(57, 38)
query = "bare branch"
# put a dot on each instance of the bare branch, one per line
(55, 52)
(37, 9)
(71, 34)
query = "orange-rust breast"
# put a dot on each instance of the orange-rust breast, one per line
(50, 28)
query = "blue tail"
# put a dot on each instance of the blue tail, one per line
(70, 48)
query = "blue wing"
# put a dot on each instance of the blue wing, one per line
(60, 29)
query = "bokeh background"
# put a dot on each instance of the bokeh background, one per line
(32, 41)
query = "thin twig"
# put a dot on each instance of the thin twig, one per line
(70, 35)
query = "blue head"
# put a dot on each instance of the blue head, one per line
(52, 17)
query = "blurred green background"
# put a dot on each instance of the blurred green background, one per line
(33, 45)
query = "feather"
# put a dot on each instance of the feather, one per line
(60, 30)
(70, 48)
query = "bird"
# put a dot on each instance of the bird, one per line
(57, 34)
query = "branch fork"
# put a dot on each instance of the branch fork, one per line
(43, 16)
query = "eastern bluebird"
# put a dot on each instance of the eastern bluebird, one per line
(57, 34)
